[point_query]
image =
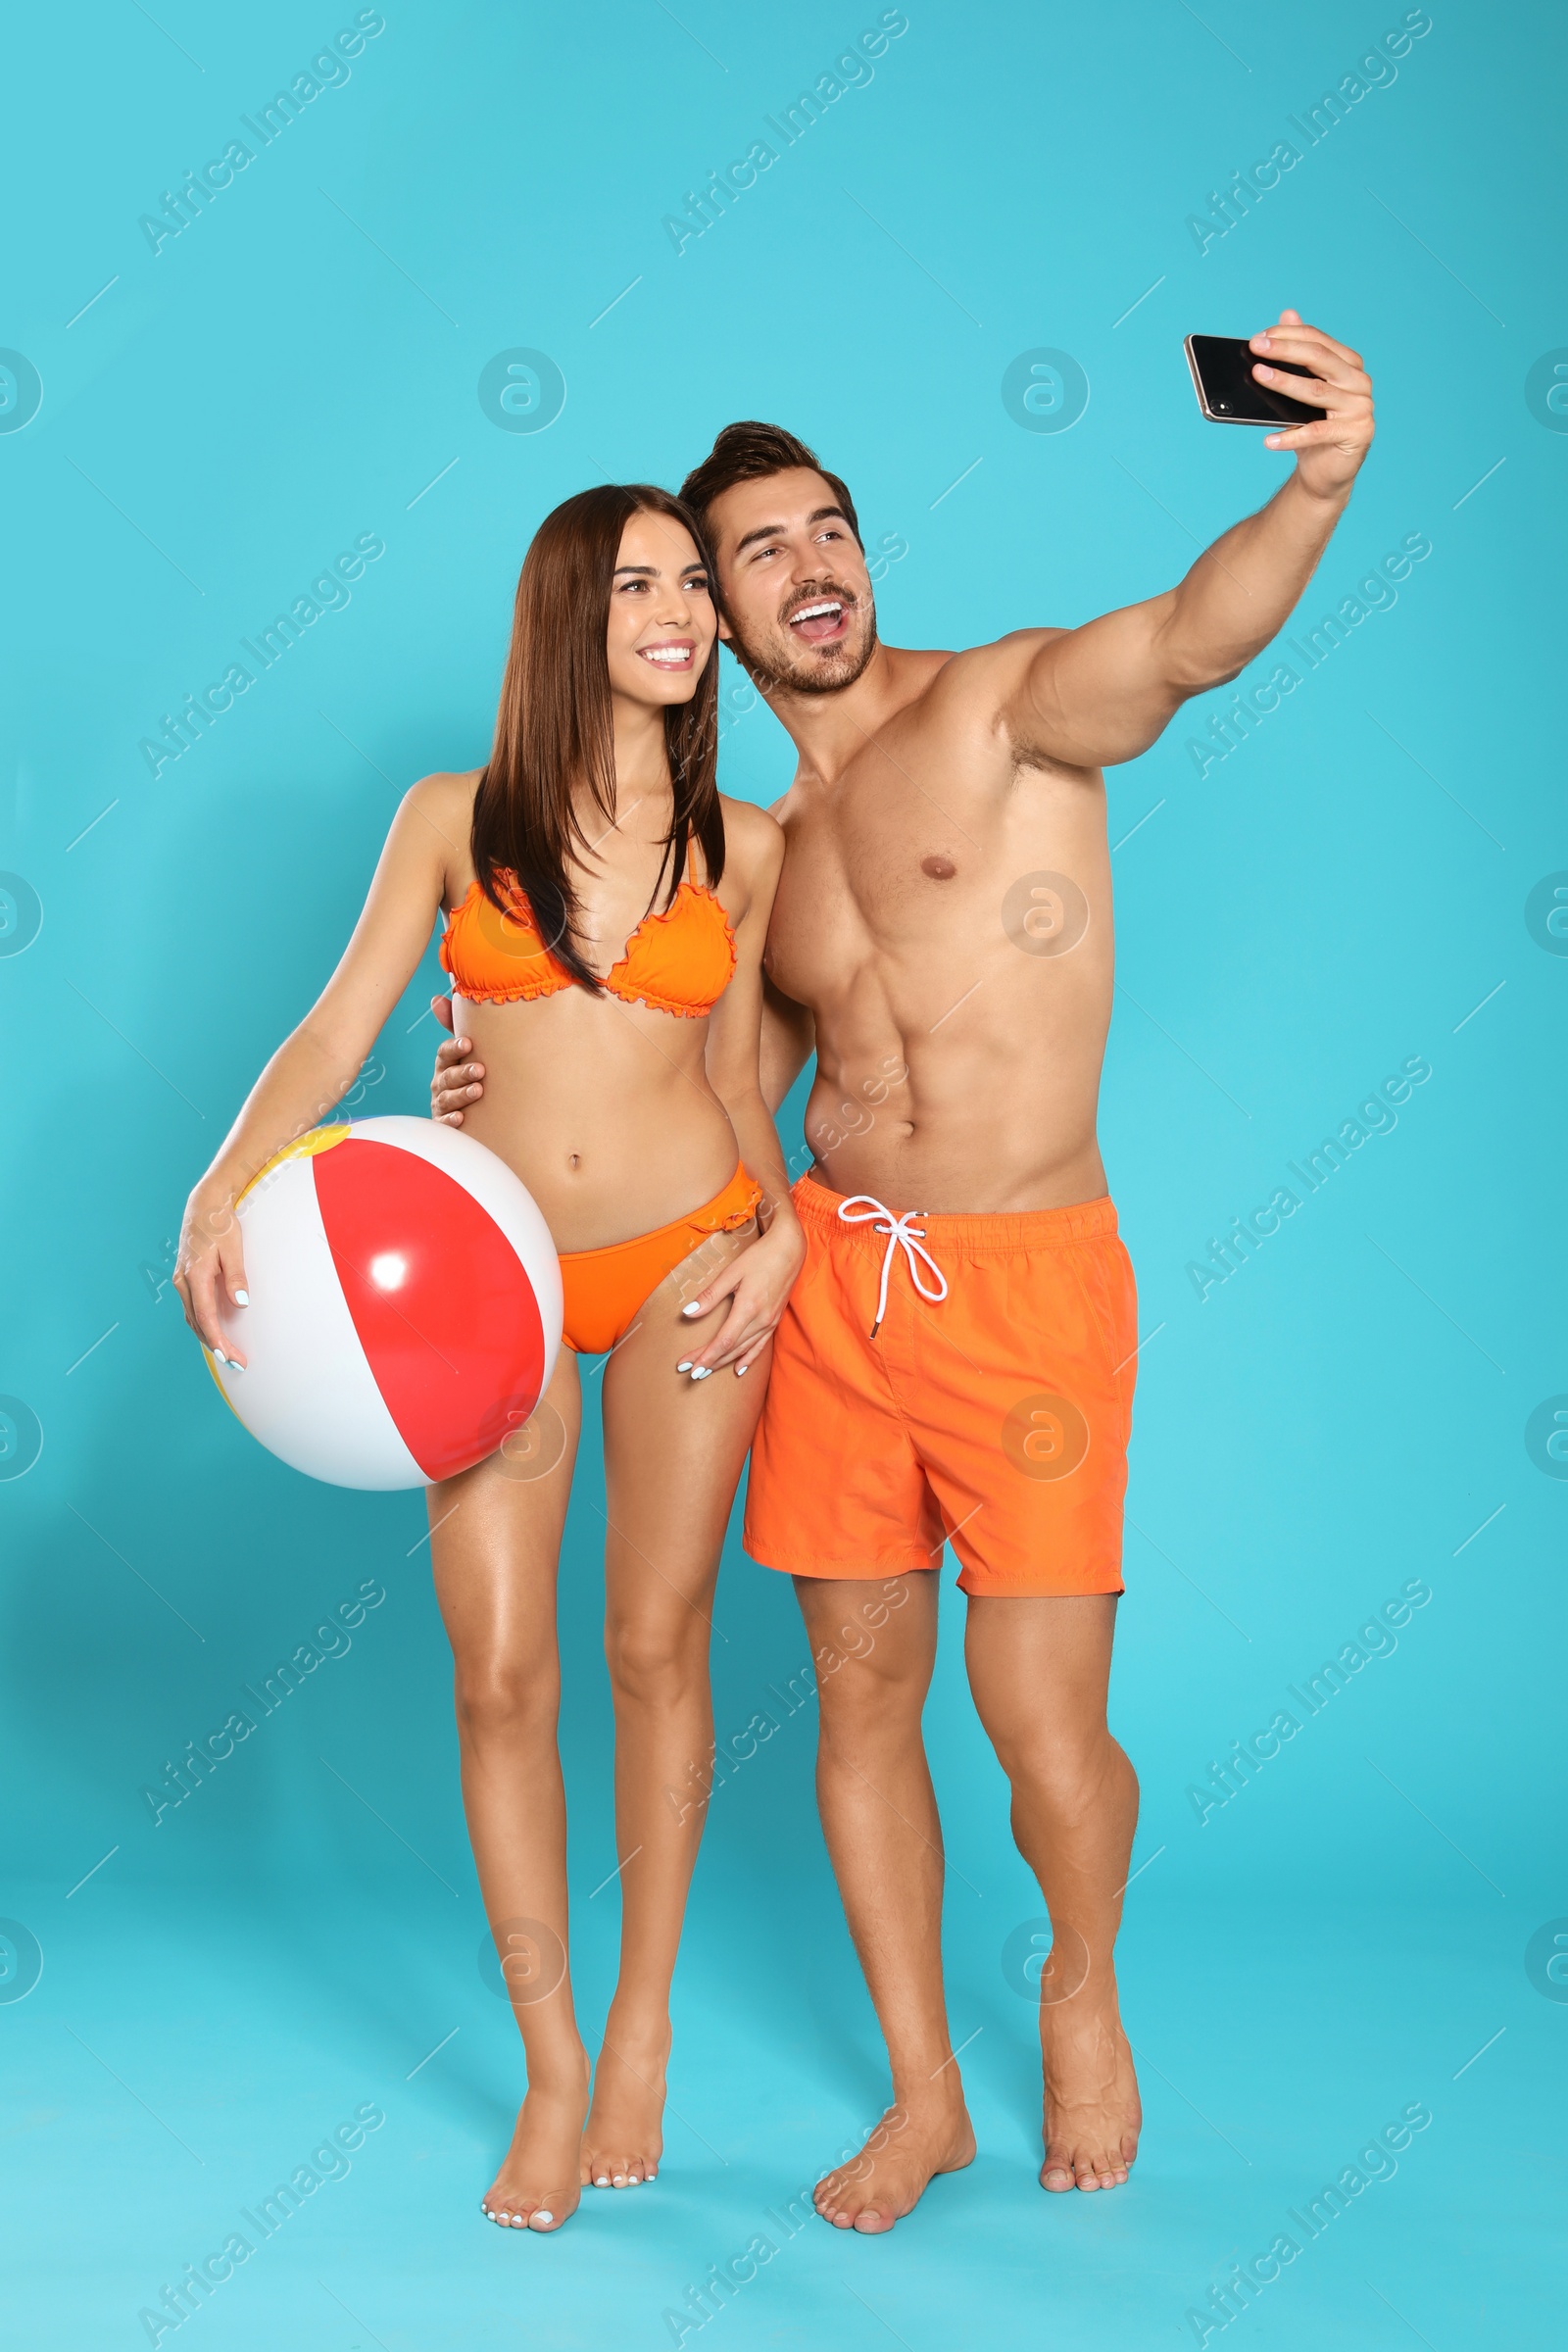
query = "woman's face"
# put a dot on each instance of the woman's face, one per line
(662, 618)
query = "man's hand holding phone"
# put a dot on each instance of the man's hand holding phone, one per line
(1311, 392)
(1328, 451)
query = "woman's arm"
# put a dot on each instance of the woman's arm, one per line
(758, 1282)
(313, 1068)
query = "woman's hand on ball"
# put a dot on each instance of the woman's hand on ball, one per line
(210, 1266)
(456, 1081)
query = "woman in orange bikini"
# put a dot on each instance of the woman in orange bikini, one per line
(623, 1088)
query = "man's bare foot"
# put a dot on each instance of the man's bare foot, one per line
(537, 2186)
(1092, 2115)
(888, 2177)
(624, 2137)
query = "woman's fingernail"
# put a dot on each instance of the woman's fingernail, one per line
(243, 1297)
(685, 1367)
(691, 1307)
(702, 1372)
(740, 1369)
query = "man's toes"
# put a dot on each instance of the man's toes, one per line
(1057, 2173)
(874, 2219)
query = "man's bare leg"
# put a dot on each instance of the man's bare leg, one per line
(1038, 1670)
(879, 1815)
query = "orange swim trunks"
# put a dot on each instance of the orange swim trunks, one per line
(950, 1379)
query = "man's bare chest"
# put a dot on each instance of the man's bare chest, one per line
(908, 866)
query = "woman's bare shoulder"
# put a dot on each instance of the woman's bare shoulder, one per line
(447, 799)
(753, 839)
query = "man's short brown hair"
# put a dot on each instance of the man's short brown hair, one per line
(750, 451)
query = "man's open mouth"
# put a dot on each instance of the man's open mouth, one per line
(677, 653)
(821, 621)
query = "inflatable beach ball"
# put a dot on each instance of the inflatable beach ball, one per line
(405, 1306)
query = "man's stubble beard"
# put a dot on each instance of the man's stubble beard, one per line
(809, 678)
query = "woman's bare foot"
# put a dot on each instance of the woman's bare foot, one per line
(624, 2137)
(537, 2186)
(888, 2177)
(1093, 2116)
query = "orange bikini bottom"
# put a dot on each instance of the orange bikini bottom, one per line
(604, 1290)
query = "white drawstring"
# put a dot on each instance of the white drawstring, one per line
(902, 1233)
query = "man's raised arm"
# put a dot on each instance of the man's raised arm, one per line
(1105, 692)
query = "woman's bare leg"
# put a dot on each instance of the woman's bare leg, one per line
(496, 1543)
(674, 1451)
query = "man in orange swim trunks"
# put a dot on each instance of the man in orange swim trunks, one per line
(956, 1360)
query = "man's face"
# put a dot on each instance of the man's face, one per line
(797, 596)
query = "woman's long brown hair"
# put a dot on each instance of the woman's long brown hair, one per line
(555, 730)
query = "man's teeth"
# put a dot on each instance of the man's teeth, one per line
(815, 612)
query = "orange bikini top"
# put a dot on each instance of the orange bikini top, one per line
(678, 960)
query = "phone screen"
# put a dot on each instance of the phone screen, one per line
(1229, 393)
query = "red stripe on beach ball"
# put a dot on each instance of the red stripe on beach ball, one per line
(443, 1307)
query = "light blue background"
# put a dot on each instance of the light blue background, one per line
(300, 366)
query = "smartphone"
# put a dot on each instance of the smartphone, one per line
(1229, 393)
